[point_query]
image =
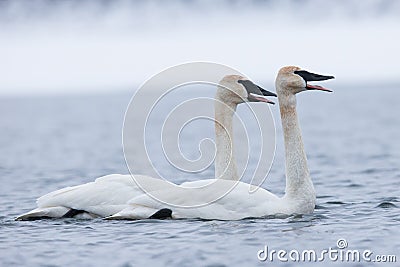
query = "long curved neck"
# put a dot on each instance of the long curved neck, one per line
(298, 180)
(225, 164)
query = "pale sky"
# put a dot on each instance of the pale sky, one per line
(84, 46)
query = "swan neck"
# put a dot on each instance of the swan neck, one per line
(298, 180)
(225, 166)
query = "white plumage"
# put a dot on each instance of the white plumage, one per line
(105, 196)
(240, 202)
(109, 195)
(118, 196)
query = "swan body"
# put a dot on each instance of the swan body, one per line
(240, 202)
(109, 194)
(105, 196)
(237, 204)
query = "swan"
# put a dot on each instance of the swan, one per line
(239, 203)
(109, 194)
(225, 104)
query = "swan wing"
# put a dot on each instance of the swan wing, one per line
(105, 196)
(239, 203)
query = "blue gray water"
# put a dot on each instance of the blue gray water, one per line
(351, 139)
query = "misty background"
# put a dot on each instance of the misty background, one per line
(97, 46)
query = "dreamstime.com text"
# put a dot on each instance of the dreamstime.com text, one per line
(338, 254)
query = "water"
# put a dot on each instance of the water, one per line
(351, 139)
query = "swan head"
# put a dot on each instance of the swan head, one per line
(293, 80)
(237, 89)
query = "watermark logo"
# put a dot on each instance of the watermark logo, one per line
(339, 253)
(169, 132)
(341, 243)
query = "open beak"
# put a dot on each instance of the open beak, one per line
(256, 93)
(256, 98)
(309, 77)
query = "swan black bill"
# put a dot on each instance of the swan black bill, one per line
(310, 77)
(256, 93)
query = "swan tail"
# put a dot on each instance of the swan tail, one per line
(140, 212)
(55, 212)
(162, 214)
(40, 213)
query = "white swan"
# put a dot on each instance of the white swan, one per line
(225, 105)
(109, 194)
(240, 203)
